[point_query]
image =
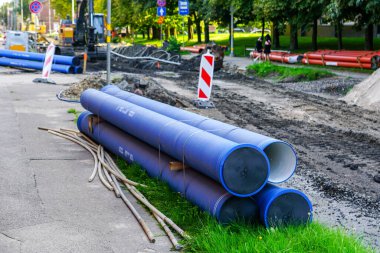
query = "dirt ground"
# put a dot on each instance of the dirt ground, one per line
(338, 145)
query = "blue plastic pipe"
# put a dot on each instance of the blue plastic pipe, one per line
(34, 65)
(197, 188)
(282, 206)
(242, 169)
(58, 59)
(78, 70)
(282, 157)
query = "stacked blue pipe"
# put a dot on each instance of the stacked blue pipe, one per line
(242, 169)
(292, 206)
(63, 64)
(209, 154)
(58, 59)
(35, 65)
(197, 188)
(282, 206)
(282, 157)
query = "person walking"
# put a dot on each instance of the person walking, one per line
(267, 47)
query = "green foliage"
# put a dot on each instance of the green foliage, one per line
(174, 45)
(62, 7)
(75, 113)
(209, 236)
(297, 73)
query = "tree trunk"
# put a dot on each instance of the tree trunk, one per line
(198, 27)
(166, 33)
(190, 31)
(314, 37)
(148, 32)
(173, 32)
(207, 32)
(262, 27)
(156, 33)
(368, 37)
(340, 35)
(276, 35)
(293, 37)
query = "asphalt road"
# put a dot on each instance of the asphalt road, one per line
(46, 201)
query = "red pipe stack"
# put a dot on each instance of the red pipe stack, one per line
(343, 58)
(283, 57)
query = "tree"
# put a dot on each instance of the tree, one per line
(365, 14)
(337, 11)
(315, 11)
(272, 10)
(62, 7)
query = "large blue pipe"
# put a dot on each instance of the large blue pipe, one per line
(242, 169)
(34, 65)
(57, 59)
(200, 190)
(282, 206)
(78, 70)
(282, 157)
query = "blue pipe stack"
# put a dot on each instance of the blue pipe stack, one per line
(29, 60)
(231, 172)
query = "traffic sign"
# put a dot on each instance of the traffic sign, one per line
(161, 11)
(183, 7)
(35, 7)
(161, 20)
(161, 3)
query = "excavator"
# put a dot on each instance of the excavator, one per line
(87, 35)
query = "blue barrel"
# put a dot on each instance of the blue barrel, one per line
(283, 207)
(57, 59)
(197, 188)
(242, 169)
(281, 155)
(34, 65)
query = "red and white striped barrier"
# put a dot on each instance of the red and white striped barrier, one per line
(206, 74)
(48, 61)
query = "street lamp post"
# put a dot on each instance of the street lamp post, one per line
(108, 41)
(232, 31)
(72, 11)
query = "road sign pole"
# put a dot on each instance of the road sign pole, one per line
(161, 33)
(72, 11)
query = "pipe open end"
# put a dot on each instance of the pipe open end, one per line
(234, 209)
(290, 208)
(245, 171)
(282, 160)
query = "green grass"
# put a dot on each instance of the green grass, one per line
(281, 72)
(247, 39)
(75, 113)
(209, 236)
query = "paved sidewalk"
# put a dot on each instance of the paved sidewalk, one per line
(46, 201)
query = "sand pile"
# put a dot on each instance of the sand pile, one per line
(366, 93)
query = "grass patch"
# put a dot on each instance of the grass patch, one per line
(75, 113)
(209, 236)
(297, 74)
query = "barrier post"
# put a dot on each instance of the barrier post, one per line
(48, 63)
(206, 74)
